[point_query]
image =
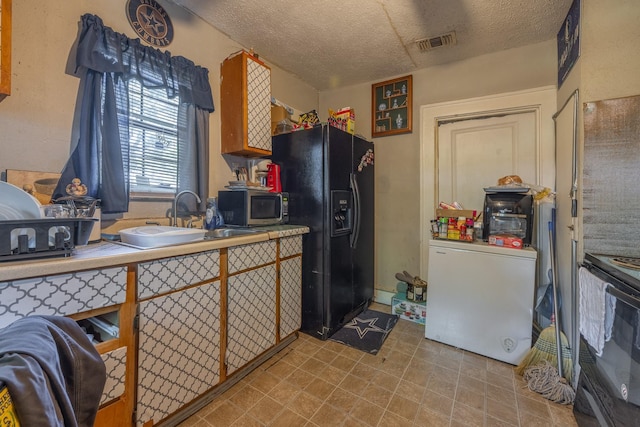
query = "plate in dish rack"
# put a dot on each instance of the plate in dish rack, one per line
(17, 200)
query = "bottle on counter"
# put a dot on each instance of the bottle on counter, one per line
(443, 228)
(213, 218)
(435, 228)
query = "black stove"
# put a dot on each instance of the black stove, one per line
(625, 269)
(608, 390)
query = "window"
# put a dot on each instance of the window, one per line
(165, 148)
(153, 132)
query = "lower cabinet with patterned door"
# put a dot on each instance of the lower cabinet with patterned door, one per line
(178, 350)
(179, 324)
(290, 283)
(96, 299)
(251, 316)
(290, 296)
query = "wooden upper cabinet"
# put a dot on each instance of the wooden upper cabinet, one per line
(245, 105)
(5, 48)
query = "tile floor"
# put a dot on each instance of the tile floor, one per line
(412, 381)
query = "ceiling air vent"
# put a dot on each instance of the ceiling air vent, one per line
(434, 42)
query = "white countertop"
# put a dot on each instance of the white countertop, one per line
(105, 254)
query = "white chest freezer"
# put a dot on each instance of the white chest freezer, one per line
(480, 298)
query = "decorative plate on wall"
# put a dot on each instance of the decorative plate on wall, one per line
(150, 22)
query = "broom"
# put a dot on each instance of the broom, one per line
(546, 347)
(545, 350)
(542, 377)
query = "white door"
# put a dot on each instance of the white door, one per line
(567, 232)
(475, 153)
(487, 120)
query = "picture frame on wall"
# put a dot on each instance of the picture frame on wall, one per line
(568, 40)
(392, 107)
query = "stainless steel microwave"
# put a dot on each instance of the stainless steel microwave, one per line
(250, 208)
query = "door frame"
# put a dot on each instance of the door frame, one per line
(541, 101)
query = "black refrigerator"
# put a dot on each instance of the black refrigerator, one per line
(329, 175)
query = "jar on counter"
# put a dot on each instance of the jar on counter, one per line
(410, 292)
(435, 228)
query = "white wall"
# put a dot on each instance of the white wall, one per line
(398, 157)
(36, 118)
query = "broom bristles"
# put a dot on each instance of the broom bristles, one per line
(545, 348)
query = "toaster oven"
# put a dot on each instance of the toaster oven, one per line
(508, 213)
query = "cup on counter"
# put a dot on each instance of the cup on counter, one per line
(57, 211)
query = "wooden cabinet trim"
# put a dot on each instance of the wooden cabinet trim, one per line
(5, 49)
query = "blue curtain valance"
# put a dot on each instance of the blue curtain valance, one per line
(103, 50)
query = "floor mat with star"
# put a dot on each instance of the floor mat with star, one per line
(367, 331)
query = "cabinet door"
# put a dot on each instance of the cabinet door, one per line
(62, 294)
(250, 256)
(290, 295)
(116, 362)
(170, 274)
(245, 106)
(251, 316)
(258, 105)
(178, 350)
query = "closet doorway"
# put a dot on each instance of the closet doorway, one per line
(467, 145)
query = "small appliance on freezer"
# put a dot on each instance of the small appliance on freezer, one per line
(480, 298)
(508, 213)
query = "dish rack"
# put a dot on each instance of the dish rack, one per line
(33, 237)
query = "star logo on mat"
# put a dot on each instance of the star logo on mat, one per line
(362, 326)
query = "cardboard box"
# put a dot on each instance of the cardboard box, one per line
(7, 411)
(344, 119)
(455, 213)
(414, 311)
(279, 115)
(505, 240)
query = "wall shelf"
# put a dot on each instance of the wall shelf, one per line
(391, 107)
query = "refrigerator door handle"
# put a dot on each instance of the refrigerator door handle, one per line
(355, 233)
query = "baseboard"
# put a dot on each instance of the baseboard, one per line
(383, 297)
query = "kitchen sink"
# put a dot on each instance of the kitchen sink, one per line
(221, 233)
(155, 236)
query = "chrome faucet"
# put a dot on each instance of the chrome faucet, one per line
(175, 204)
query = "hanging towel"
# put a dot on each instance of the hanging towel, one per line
(636, 341)
(596, 310)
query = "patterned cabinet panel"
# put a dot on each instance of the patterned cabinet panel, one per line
(116, 363)
(168, 274)
(245, 106)
(258, 105)
(290, 295)
(63, 294)
(290, 246)
(251, 317)
(178, 350)
(252, 255)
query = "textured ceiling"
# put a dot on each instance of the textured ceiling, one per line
(332, 43)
